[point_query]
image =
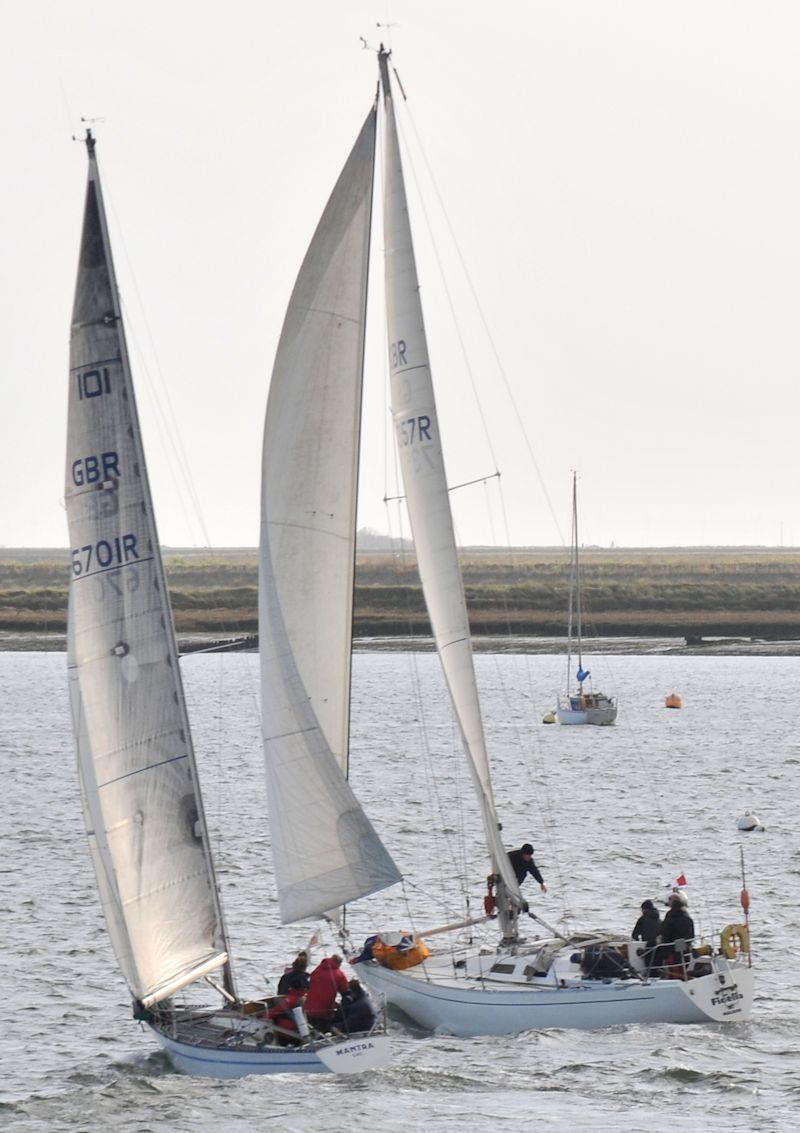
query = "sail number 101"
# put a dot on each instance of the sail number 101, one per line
(93, 383)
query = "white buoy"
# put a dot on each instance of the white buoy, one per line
(749, 821)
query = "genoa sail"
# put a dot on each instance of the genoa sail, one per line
(422, 464)
(325, 850)
(139, 784)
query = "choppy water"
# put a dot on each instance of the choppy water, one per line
(612, 812)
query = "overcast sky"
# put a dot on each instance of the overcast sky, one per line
(623, 181)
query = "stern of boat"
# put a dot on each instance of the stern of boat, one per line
(726, 994)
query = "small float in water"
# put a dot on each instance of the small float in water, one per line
(549, 718)
(748, 822)
(673, 701)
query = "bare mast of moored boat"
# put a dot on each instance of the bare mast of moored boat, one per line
(576, 588)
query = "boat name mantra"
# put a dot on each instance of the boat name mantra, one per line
(354, 1048)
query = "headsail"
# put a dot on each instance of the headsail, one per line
(325, 850)
(138, 777)
(427, 499)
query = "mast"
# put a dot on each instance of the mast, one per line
(147, 827)
(577, 571)
(427, 498)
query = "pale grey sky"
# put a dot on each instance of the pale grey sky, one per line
(624, 182)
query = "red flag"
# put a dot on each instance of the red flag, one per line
(681, 880)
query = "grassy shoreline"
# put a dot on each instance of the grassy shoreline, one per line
(523, 592)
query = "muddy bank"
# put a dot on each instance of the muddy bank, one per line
(635, 646)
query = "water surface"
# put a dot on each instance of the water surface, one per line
(612, 813)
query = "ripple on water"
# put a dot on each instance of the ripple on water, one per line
(612, 816)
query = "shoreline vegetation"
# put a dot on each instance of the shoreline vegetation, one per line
(683, 596)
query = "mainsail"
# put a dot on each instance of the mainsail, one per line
(138, 777)
(325, 850)
(422, 463)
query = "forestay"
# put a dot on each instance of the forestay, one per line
(325, 850)
(138, 777)
(422, 463)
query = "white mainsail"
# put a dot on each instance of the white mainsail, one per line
(325, 850)
(422, 463)
(138, 777)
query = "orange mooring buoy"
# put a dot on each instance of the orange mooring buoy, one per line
(673, 701)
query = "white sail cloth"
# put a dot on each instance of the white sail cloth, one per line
(138, 778)
(422, 464)
(325, 850)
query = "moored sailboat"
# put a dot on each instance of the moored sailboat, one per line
(584, 706)
(518, 984)
(139, 785)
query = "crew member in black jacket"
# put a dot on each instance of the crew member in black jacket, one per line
(523, 864)
(647, 928)
(677, 924)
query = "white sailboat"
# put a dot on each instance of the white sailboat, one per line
(584, 706)
(141, 796)
(517, 984)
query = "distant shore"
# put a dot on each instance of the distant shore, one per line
(11, 642)
(645, 600)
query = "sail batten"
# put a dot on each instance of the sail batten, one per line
(325, 851)
(422, 464)
(141, 799)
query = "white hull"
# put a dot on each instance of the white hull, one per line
(591, 708)
(469, 1007)
(601, 716)
(236, 1054)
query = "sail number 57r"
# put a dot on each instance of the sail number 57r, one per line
(413, 430)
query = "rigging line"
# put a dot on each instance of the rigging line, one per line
(548, 811)
(166, 423)
(546, 825)
(68, 108)
(416, 685)
(545, 811)
(487, 330)
(451, 305)
(455, 487)
(221, 780)
(165, 432)
(512, 553)
(416, 690)
(175, 436)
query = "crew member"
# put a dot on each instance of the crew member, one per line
(523, 864)
(326, 980)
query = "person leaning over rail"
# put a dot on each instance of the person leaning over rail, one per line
(523, 864)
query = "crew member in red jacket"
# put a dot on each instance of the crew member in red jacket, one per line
(281, 1013)
(326, 980)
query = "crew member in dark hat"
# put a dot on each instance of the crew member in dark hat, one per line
(296, 970)
(523, 864)
(677, 924)
(647, 929)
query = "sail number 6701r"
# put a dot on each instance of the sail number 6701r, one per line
(105, 554)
